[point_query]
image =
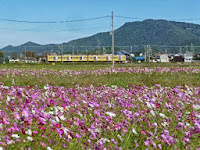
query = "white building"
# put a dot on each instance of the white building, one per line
(14, 60)
(188, 57)
(164, 58)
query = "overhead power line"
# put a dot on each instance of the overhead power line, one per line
(89, 19)
(48, 22)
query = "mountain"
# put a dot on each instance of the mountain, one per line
(137, 34)
(154, 32)
(30, 46)
(29, 43)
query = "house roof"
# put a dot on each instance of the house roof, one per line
(139, 58)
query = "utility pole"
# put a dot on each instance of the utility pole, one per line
(180, 50)
(98, 44)
(131, 49)
(73, 51)
(112, 41)
(25, 55)
(148, 53)
(104, 51)
(192, 48)
(62, 54)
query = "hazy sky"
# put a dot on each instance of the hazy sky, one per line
(60, 10)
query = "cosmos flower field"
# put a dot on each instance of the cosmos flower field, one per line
(105, 116)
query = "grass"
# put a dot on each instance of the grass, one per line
(94, 65)
(120, 80)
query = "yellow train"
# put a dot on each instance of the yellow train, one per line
(85, 58)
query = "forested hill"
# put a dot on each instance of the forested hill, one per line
(154, 32)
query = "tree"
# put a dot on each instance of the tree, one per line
(29, 54)
(1, 55)
(14, 55)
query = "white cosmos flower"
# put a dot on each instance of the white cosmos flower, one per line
(1, 148)
(97, 130)
(196, 107)
(164, 124)
(49, 148)
(148, 105)
(11, 142)
(45, 87)
(67, 107)
(198, 116)
(57, 119)
(111, 114)
(133, 130)
(120, 137)
(162, 115)
(187, 124)
(91, 105)
(33, 111)
(29, 132)
(69, 137)
(152, 112)
(8, 98)
(15, 136)
(62, 117)
(65, 131)
(1, 125)
(29, 138)
(155, 124)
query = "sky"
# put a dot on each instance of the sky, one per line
(17, 33)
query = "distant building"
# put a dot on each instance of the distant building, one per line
(178, 58)
(164, 58)
(14, 60)
(139, 58)
(188, 57)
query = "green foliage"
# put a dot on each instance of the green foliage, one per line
(29, 54)
(14, 55)
(196, 57)
(2, 54)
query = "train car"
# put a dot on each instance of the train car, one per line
(85, 58)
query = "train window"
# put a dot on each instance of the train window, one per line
(108, 58)
(75, 57)
(55, 58)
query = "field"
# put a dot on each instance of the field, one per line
(94, 106)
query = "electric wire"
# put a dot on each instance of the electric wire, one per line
(53, 22)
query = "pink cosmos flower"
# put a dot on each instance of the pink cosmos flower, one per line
(186, 139)
(25, 113)
(147, 142)
(43, 144)
(77, 136)
(17, 116)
